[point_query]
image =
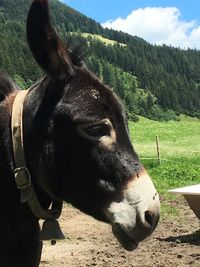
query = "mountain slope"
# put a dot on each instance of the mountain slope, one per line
(169, 77)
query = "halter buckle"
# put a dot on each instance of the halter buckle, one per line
(23, 182)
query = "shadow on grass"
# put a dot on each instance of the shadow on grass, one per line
(191, 239)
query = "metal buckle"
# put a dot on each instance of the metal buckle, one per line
(22, 178)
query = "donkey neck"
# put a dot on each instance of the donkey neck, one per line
(21, 173)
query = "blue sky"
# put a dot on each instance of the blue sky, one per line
(103, 10)
(173, 22)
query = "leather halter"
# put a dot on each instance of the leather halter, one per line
(21, 173)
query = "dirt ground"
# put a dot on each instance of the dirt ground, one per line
(91, 243)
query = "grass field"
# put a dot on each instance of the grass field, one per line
(180, 154)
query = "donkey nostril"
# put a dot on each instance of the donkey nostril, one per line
(150, 218)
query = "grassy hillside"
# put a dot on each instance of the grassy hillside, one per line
(178, 140)
(180, 151)
(102, 39)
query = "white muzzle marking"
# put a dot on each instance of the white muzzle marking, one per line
(130, 214)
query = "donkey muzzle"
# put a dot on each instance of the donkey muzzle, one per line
(136, 216)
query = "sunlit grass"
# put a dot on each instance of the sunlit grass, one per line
(102, 39)
(177, 140)
(180, 155)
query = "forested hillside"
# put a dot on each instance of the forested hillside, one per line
(155, 81)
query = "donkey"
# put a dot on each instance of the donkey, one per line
(76, 147)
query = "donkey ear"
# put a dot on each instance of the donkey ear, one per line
(46, 46)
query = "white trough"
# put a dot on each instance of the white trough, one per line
(192, 196)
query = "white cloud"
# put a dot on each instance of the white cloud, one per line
(159, 25)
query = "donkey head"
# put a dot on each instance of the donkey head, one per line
(77, 139)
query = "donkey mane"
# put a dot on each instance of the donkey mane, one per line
(77, 51)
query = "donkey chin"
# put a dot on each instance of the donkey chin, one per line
(136, 216)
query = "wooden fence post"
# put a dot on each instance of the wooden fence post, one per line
(158, 150)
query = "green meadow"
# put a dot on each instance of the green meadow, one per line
(179, 144)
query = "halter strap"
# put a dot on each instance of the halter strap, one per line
(21, 173)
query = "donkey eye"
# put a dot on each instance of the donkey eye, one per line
(97, 130)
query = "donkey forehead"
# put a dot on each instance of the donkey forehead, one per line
(92, 100)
